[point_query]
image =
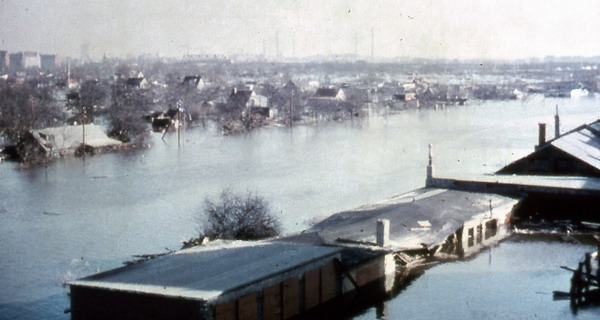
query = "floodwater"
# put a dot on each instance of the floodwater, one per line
(74, 218)
(513, 280)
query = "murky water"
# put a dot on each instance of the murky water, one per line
(513, 280)
(74, 218)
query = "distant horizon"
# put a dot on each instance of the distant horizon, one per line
(323, 58)
(446, 29)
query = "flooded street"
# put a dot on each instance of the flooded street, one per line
(74, 218)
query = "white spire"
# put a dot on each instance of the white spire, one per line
(430, 167)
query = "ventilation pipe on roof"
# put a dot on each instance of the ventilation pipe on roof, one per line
(556, 124)
(383, 232)
(541, 134)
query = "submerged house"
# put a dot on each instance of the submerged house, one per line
(329, 94)
(327, 99)
(347, 260)
(194, 82)
(574, 153)
(569, 157)
(162, 121)
(221, 280)
(138, 82)
(64, 141)
(247, 100)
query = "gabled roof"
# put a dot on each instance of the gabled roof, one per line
(171, 113)
(582, 143)
(240, 96)
(134, 82)
(330, 93)
(191, 80)
(290, 85)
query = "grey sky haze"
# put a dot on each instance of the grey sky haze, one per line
(504, 29)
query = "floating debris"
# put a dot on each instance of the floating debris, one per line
(585, 282)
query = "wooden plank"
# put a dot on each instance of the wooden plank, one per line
(328, 282)
(367, 274)
(226, 311)
(272, 302)
(291, 297)
(248, 307)
(312, 292)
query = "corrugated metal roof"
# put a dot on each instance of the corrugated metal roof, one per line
(205, 272)
(582, 144)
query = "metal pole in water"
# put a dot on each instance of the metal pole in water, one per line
(83, 133)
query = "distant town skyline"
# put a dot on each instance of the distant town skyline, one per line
(458, 29)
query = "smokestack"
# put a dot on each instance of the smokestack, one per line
(541, 134)
(383, 232)
(556, 124)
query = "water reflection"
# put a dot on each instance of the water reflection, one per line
(517, 283)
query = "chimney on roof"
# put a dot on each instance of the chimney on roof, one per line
(383, 232)
(541, 134)
(556, 124)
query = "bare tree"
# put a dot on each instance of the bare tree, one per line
(243, 217)
(23, 108)
(125, 115)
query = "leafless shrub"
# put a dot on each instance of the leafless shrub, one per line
(242, 217)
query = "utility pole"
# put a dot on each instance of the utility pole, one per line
(83, 132)
(178, 127)
(32, 114)
(292, 109)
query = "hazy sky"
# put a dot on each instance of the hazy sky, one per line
(416, 28)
